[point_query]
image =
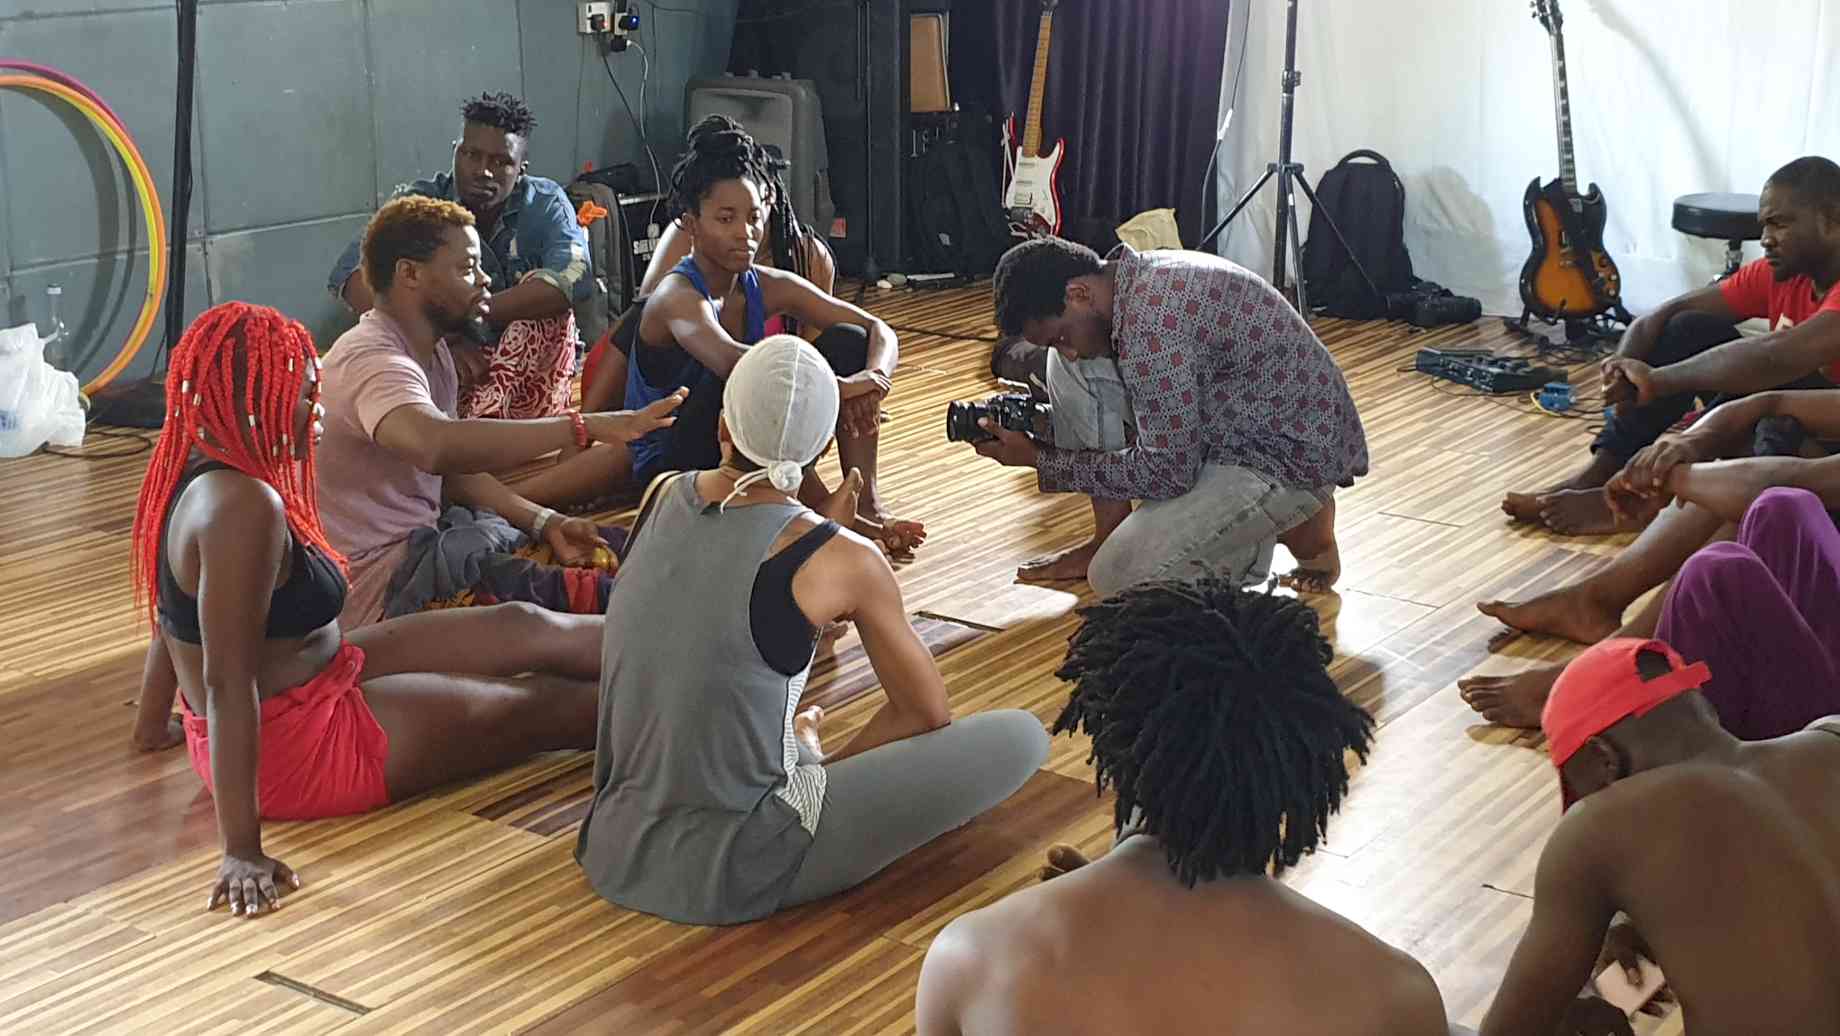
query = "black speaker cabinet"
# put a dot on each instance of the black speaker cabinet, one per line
(857, 54)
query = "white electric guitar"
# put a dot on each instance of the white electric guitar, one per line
(1032, 195)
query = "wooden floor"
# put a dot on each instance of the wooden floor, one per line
(464, 912)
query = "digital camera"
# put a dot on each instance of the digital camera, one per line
(1017, 412)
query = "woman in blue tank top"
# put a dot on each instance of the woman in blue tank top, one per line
(716, 303)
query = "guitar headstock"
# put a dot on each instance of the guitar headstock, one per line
(1547, 13)
(1048, 6)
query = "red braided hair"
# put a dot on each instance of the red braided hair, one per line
(231, 388)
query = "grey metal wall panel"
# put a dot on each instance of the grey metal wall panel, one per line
(439, 52)
(58, 165)
(565, 85)
(284, 102)
(285, 267)
(55, 8)
(101, 299)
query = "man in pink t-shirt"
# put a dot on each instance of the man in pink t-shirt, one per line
(394, 450)
(1689, 351)
(371, 499)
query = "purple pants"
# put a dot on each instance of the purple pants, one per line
(1763, 613)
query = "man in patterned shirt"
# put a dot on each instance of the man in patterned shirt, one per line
(1183, 381)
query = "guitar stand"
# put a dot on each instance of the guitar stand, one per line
(1596, 333)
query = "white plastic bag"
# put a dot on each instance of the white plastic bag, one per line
(38, 402)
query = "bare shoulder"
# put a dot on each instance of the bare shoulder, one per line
(226, 517)
(231, 502)
(990, 958)
(952, 977)
(1826, 725)
(675, 293)
(674, 299)
(821, 263)
(1416, 1007)
(1661, 812)
(781, 288)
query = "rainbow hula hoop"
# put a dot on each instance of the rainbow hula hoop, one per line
(81, 98)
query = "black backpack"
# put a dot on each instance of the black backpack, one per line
(955, 209)
(1368, 204)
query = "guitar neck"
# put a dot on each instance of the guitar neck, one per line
(1038, 85)
(1562, 101)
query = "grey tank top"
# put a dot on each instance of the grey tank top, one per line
(702, 812)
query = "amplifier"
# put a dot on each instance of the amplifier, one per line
(641, 223)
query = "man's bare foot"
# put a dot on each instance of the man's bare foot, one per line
(1580, 512)
(1510, 701)
(1062, 859)
(841, 505)
(1315, 575)
(1064, 567)
(805, 729)
(1527, 507)
(1522, 507)
(1570, 612)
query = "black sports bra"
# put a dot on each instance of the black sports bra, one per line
(781, 631)
(313, 595)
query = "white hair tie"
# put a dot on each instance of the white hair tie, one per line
(786, 475)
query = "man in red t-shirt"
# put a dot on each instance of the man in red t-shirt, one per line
(1689, 349)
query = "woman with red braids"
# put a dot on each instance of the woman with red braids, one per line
(285, 717)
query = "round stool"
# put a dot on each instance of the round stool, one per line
(1731, 218)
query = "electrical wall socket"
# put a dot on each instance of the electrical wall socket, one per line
(588, 11)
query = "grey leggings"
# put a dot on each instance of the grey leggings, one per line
(885, 803)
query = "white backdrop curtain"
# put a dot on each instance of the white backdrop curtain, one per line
(1669, 97)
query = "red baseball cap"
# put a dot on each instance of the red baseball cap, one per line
(1602, 687)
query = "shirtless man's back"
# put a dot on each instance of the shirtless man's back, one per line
(1213, 717)
(1120, 946)
(1724, 855)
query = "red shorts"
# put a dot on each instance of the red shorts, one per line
(322, 750)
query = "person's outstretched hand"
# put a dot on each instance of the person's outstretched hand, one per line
(251, 884)
(619, 426)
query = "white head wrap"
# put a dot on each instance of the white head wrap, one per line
(780, 405)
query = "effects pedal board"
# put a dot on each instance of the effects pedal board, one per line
(1496, 375)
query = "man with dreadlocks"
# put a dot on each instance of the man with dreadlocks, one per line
(717, 301)
(1213, 717)
(286, 715)
(519, 358)
(395, 446)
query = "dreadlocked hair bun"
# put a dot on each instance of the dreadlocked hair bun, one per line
(716, 154)
(1212, 714)
(232, 386)
(713, 124)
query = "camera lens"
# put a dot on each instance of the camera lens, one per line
(962, 422)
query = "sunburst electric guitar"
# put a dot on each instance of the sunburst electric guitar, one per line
(1031, 194)
(1568, 276)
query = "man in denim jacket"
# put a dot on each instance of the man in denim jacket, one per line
(522, 357)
